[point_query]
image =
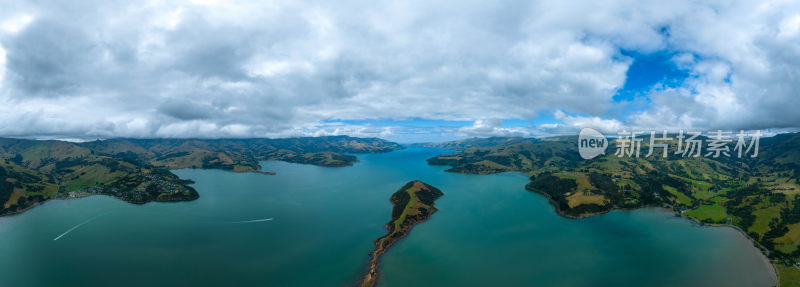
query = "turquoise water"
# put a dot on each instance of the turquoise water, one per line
(488, 232)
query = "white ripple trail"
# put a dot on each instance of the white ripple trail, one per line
(254, 220)
(76, 226)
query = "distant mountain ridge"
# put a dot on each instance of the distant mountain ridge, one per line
(242, 154)
(464, 144)
(137, 170)
(513, 154)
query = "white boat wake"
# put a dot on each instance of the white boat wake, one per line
(254, 220)
(79, 225)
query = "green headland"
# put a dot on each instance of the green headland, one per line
(412, 204)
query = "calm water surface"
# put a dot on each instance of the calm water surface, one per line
(488, 232)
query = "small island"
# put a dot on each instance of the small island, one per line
(413, 204)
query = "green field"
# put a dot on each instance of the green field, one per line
(411, 201)
(713, 212)
(788, 242)
(789, 276)
(682, 198)
(763, 218)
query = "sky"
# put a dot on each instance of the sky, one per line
(408, 71)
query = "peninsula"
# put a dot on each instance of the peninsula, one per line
(412, 204)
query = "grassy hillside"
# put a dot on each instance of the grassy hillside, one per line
(412, 204)
(32, 172)
(241, 154)
(532, 156)
(137, 170)
(759, 195)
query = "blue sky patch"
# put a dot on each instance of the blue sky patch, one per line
(646, 71)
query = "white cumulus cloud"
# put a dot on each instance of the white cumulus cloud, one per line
(85, 68)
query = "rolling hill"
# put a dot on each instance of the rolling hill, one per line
(137, 170)
(758, 195)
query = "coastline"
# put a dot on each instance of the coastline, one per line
(122, 199)
(130, 201)
(68, 198)
(411, 205)
(763, 250)
(17, 212)
(261, 172)
(372, 268)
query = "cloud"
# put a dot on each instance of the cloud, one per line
(491, 127)
(573, 124)
(240, 69)
(16, 24)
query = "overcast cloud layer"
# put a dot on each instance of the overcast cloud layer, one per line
(84, 69)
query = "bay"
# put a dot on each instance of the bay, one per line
(314, 226)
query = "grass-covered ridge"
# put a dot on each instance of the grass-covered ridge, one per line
(411, 204)
(137, 170)
(759, 195)
(32, 172)
(242, 154)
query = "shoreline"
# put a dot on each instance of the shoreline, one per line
(371, 279)
(762, 250)
(18, 212)
(416, 196)
(263, 172)
(65, 198)
(68, 198)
